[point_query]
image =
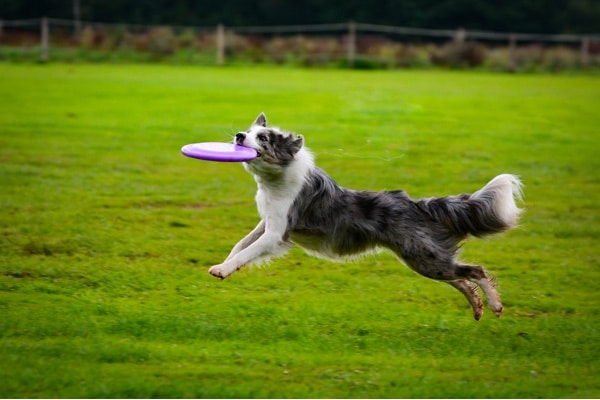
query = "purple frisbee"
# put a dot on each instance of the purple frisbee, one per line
(216, 151)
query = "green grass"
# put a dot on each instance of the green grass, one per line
(107, 232)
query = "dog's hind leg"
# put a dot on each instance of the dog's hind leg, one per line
(471, 294)
(477, 275)
(443, 267)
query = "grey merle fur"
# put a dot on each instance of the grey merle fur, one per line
(425, 233)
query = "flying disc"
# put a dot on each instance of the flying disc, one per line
(215, 151)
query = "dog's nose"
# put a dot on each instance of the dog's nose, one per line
(239, 138)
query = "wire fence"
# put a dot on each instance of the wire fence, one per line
(351, 44)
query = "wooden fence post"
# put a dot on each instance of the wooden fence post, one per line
(585, 51)
(45, 39)
(460, 36)
(77, 18)
(512, 47)
(220, 44)
(351, 45)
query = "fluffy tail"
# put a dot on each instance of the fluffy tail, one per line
(491, 209)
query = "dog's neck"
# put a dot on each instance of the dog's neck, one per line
(287, 180)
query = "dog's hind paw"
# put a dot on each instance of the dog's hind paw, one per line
(478, 313)
(498, 310)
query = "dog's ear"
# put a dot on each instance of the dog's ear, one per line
(261, 120)
(297, 144)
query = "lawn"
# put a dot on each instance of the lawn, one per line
(107, 233)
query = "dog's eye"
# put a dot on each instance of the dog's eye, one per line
(261, 137)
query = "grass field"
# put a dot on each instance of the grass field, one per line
(107, 233)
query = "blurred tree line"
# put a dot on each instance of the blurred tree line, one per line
(536, 16)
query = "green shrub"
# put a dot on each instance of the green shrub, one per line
(460, 55)
(161, 42)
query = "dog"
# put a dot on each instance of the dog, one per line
(300, 204)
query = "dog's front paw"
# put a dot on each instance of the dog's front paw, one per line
(221, 271)
(216, 271)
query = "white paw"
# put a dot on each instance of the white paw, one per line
(222, 271)
(217, 271)
(498, 310)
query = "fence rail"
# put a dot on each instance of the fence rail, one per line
(350, 31)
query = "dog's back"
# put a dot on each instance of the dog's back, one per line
(336, 222)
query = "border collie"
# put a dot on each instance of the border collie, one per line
(300, 204)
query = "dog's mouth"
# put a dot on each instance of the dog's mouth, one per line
(241, 143)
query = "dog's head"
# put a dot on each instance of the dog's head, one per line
(275, 148)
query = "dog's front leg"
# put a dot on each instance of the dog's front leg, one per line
(248, 240)
(269, 244)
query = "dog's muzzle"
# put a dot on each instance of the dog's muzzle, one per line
(239, 139)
